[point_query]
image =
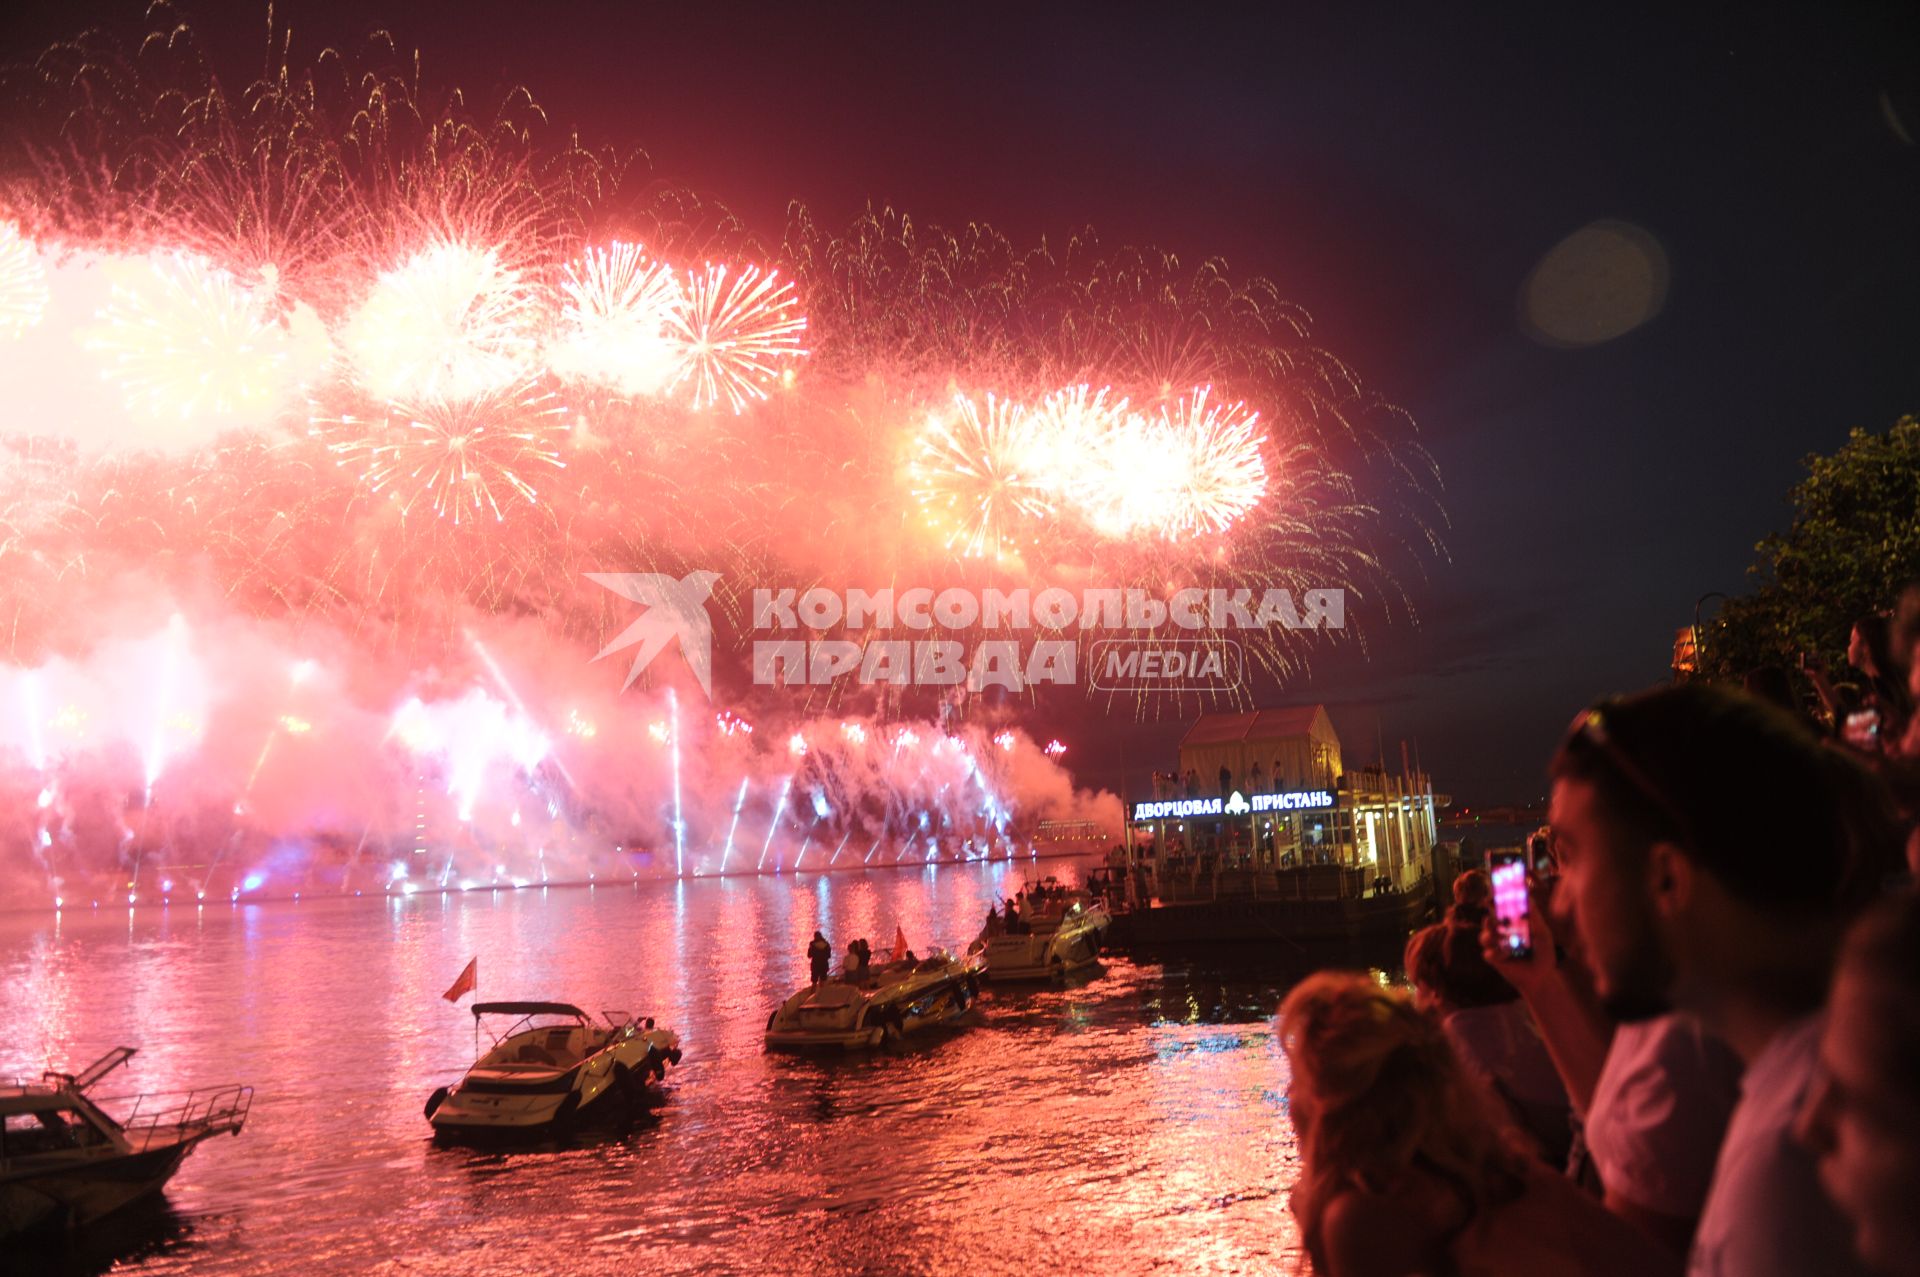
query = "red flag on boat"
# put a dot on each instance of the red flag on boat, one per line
(468, 981)
(899, 944)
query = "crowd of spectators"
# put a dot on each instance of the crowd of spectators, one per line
(1708, 1061)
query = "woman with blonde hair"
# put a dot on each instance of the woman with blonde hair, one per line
(1409, 1165)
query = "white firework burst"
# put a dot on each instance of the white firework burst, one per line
(460, 459)
(186, 341)
(616, 324)
(453, 322)
(23, 282)
(978, 477)
(733, 331)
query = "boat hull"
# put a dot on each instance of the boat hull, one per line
(1074, 945)
(74, 1196)
(847, 1017)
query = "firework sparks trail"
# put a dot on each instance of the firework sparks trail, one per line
(773, 825)
(734, 330)
(679, 821)
(169, 672)
(734, 824)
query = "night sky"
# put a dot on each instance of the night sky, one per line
(1397, 172)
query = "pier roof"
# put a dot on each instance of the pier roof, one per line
(1288, 722)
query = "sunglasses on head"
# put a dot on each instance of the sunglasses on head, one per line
(1589, 726)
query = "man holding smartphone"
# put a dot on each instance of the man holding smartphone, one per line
(1712, 852)
(1653, 1097)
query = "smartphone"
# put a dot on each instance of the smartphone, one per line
(1862, 729)
(1540, 856)
(1508, 872)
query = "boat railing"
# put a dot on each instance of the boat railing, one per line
(165, 1116)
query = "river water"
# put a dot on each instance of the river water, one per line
(1133, 1122)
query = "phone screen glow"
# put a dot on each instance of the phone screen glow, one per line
(1510, 903)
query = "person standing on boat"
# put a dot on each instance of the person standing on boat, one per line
(819, 954)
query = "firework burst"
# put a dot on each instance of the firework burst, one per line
(23, 282)
(1218, 473)
(976, 476)
(614, 326)
(734, 331)
(1191, 470)
(458, 459)
(451, 323)
(339, 170)
(186, 341)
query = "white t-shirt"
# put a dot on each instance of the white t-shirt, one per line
(1766, 1215)
(1660, 1108)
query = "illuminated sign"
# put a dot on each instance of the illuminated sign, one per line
(1180, 808)
(1294, 800)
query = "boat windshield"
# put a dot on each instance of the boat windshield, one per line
(547, 1045)
(47, 1131)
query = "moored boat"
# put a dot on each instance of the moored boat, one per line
(65, 1161)
(551, 1066)
(1059, 939)
(885, 1002)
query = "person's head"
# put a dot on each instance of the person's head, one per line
(1862, 1120)
(1711, 844)
(1870, 648)
(1376, 1091)
(1472, 898)
(1449, 971)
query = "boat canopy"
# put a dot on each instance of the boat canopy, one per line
(527, 1008)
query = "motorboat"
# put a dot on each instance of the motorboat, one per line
(66, 1161)
(884, 1002)
(550, 1067)
(1058, 936)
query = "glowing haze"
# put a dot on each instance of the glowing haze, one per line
(324, 396)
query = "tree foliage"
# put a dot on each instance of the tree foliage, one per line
(1853, 543)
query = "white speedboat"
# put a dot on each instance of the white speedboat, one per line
(1054, 942)
(66, 1162)
(884, 1002)
(551, 1065)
